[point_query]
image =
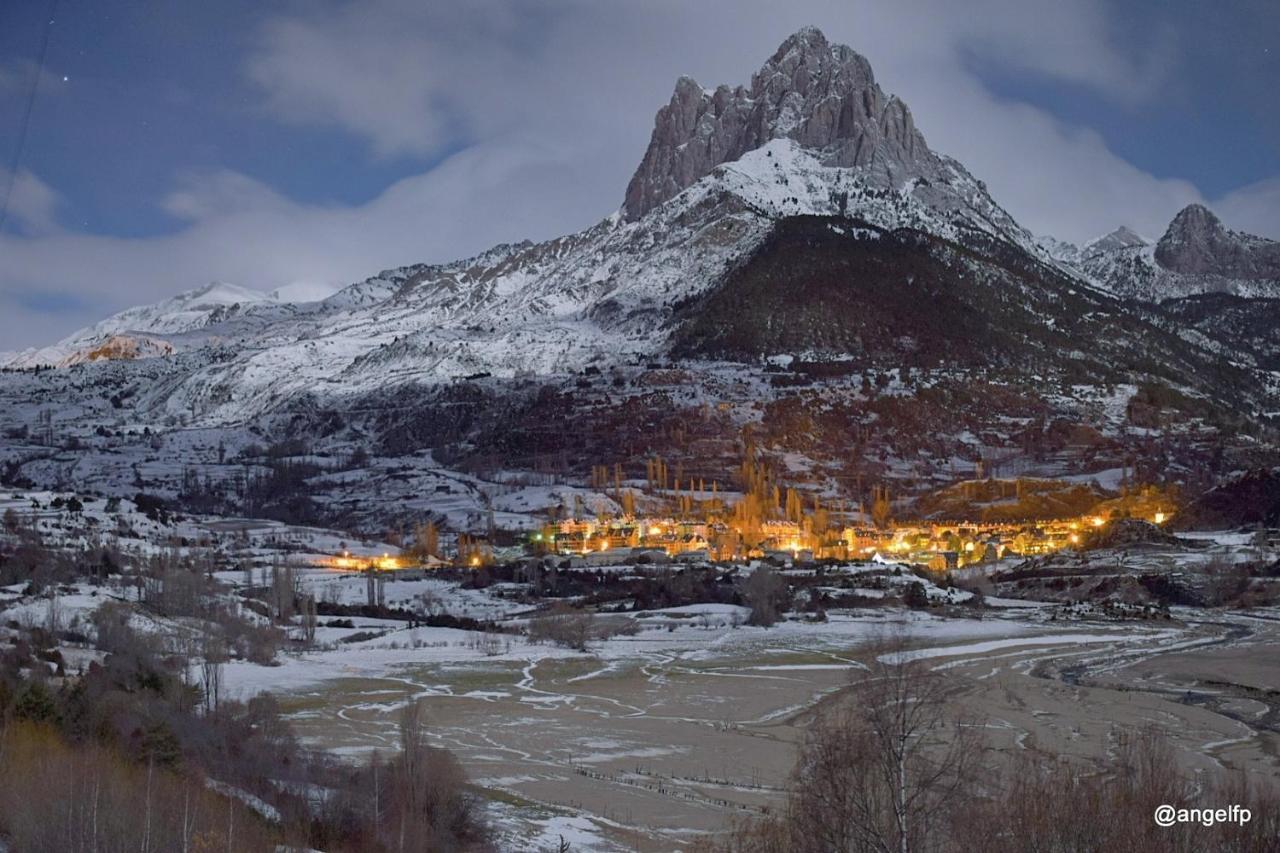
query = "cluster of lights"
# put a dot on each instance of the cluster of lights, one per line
(900, 545)
(349, 562)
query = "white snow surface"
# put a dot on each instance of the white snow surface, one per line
(602, 296)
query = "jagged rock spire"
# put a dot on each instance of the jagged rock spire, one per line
(823, 96)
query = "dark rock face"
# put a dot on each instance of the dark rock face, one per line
(823, 96)
(1198, 244)
(831, 287)
(1250, 499)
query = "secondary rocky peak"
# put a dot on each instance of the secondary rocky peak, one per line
(1121, 238)
(1197, 243)
(1195, 222)
(821, 95)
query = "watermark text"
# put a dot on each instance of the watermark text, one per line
(1167, 815)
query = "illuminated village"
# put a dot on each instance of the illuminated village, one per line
(767, 521)
(940, 545)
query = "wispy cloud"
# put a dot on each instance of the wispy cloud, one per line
(33, 204)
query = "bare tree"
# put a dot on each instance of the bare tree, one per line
(53, 615)
(765, 592)
(879, 772)
(285, 588)
(428, 807)
(1074, 805)
(564, 626)
(213, 656)
(309, 619)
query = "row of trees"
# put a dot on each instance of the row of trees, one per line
(55, 796)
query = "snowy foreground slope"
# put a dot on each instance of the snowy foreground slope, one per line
(674, 720)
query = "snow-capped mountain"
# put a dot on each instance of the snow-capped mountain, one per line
(1119, 239)
(907, 259)
(1196, 255)
(143, 331)
(785, 148)
(824, 98)
(1073, 257)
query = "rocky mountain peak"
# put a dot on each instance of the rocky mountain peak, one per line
(1195, 222)
(1121, 238)
(820, 95)
(1197, 243)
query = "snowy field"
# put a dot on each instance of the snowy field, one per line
(689, 719)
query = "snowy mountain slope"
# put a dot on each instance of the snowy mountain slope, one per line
(814, 137)
(146, 326)
(597, 297)
(874, 320)
(1196, 255)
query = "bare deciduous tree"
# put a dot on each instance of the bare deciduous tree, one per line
(212, 658)
(564, 626)
(309, 620)
(878, 771)
(765, 592)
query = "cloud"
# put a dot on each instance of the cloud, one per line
(1070, 42)
(401, 74)
(1254, 208)
(219, 193)
(32, 204)
(526, 121)
(414, 79)
(1054, 178)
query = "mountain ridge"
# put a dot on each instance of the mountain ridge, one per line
(620, 290)
(1196, 255)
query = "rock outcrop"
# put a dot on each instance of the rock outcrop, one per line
(1197, 243)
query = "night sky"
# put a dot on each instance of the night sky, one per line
(306, 145)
